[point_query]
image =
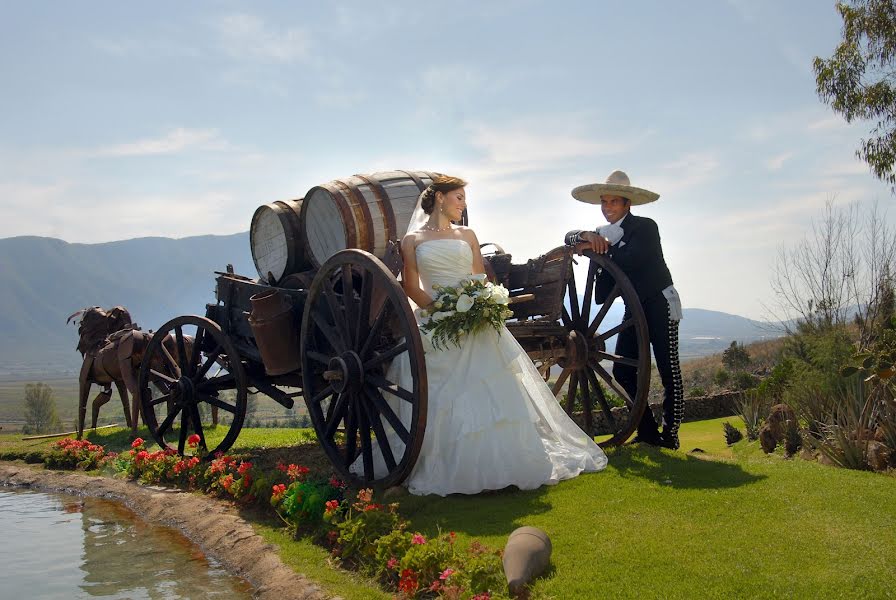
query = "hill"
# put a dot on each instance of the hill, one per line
(47, 279)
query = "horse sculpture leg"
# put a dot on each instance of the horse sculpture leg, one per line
(130, 414)
(101, 398)
(83, 393)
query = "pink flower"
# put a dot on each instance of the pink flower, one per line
(418, 539)
(365, 496)
(482, 596)
(446, 574)
(337, 483)
(296, 471)
(332, 505)
(137, 443)
(392, 563)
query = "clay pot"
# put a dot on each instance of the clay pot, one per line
(526, 555)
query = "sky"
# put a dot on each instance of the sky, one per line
(122, 120)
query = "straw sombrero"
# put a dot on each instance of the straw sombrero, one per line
(617, 184)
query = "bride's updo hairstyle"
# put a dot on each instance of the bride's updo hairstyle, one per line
(442, 183)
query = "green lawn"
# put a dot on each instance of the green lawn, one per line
(662, 524)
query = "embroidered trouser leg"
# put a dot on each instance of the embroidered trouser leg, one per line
(663, 333)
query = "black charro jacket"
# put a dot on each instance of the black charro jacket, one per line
(640, 256)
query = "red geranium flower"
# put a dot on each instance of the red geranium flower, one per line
(137, 443)
(408, 582)
(193, 440)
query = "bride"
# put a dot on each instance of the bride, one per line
(491, 419)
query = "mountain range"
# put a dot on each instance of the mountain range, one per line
(47, 279)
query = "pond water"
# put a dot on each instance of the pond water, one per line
(61, 546)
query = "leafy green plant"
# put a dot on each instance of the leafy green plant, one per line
(750, 408)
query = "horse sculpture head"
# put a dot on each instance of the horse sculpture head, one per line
(95, 325)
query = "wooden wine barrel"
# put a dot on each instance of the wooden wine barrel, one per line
(361, 211)
(276, 240)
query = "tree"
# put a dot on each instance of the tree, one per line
(736, 357)
(859, 80)
(841, 271)
(40, 409)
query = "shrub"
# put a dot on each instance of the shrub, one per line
(721, 377)
(745, 381)
(696, 392)
(74, 454)
(792, 439)
(732, 433)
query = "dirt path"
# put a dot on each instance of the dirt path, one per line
(213, 525)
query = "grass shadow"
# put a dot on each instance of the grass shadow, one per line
(678, 470)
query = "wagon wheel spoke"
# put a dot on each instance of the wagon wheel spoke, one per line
(351, 435)
(392, 388)
(611, 383)
(567, 320)
(589, 288)
(564, 375)
(604, 309)
(164, 398)
(332, 336)
(374, 332)
(216, 383)
(172, 364)
(573, 299)
(182, 434)
(348, 298)
(571, 392)
(197, 425)
(336, 415)
(323, 393)
(210, 360)
(217, 403)
(630, 322)
(601, 398)
(384, 409)
(586, 402)
(318, 357)
(182, 360)
(166, 424)
(382, 441)
(364, 315)
(341, 330)
(366, 446)
(162, 376)
(387, 355)
(196, 353)
(622, 360)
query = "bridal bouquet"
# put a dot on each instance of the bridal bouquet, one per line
(469, 307)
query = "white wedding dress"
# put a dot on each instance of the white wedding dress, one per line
(491, 419)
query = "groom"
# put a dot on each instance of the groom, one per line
(634, 245)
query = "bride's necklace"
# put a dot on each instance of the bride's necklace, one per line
(428, 227)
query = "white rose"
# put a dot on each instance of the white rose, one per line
(464, 303)
(442, 315)
(478, 277)
(500, 294)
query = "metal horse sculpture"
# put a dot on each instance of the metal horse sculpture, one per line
(113, 347)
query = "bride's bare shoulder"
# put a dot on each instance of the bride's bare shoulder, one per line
(410, 241)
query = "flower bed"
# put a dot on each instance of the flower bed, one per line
(360, 533)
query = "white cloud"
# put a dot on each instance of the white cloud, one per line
(776, 162)
(245, 35)
(173, 142)
(830, 122)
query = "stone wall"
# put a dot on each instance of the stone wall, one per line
(695, 409)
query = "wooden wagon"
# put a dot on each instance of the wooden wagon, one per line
(345, 318)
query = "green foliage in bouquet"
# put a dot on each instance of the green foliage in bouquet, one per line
(467, 308)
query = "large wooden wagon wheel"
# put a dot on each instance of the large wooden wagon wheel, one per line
(190, 367)
(357, 321)
(587, 363)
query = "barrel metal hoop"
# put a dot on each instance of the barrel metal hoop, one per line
(415, 179)
(382, 199)
(351, 239)
(363, 217)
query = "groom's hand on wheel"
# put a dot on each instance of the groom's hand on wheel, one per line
(592, 241)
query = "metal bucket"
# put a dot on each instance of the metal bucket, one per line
(273, 326)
